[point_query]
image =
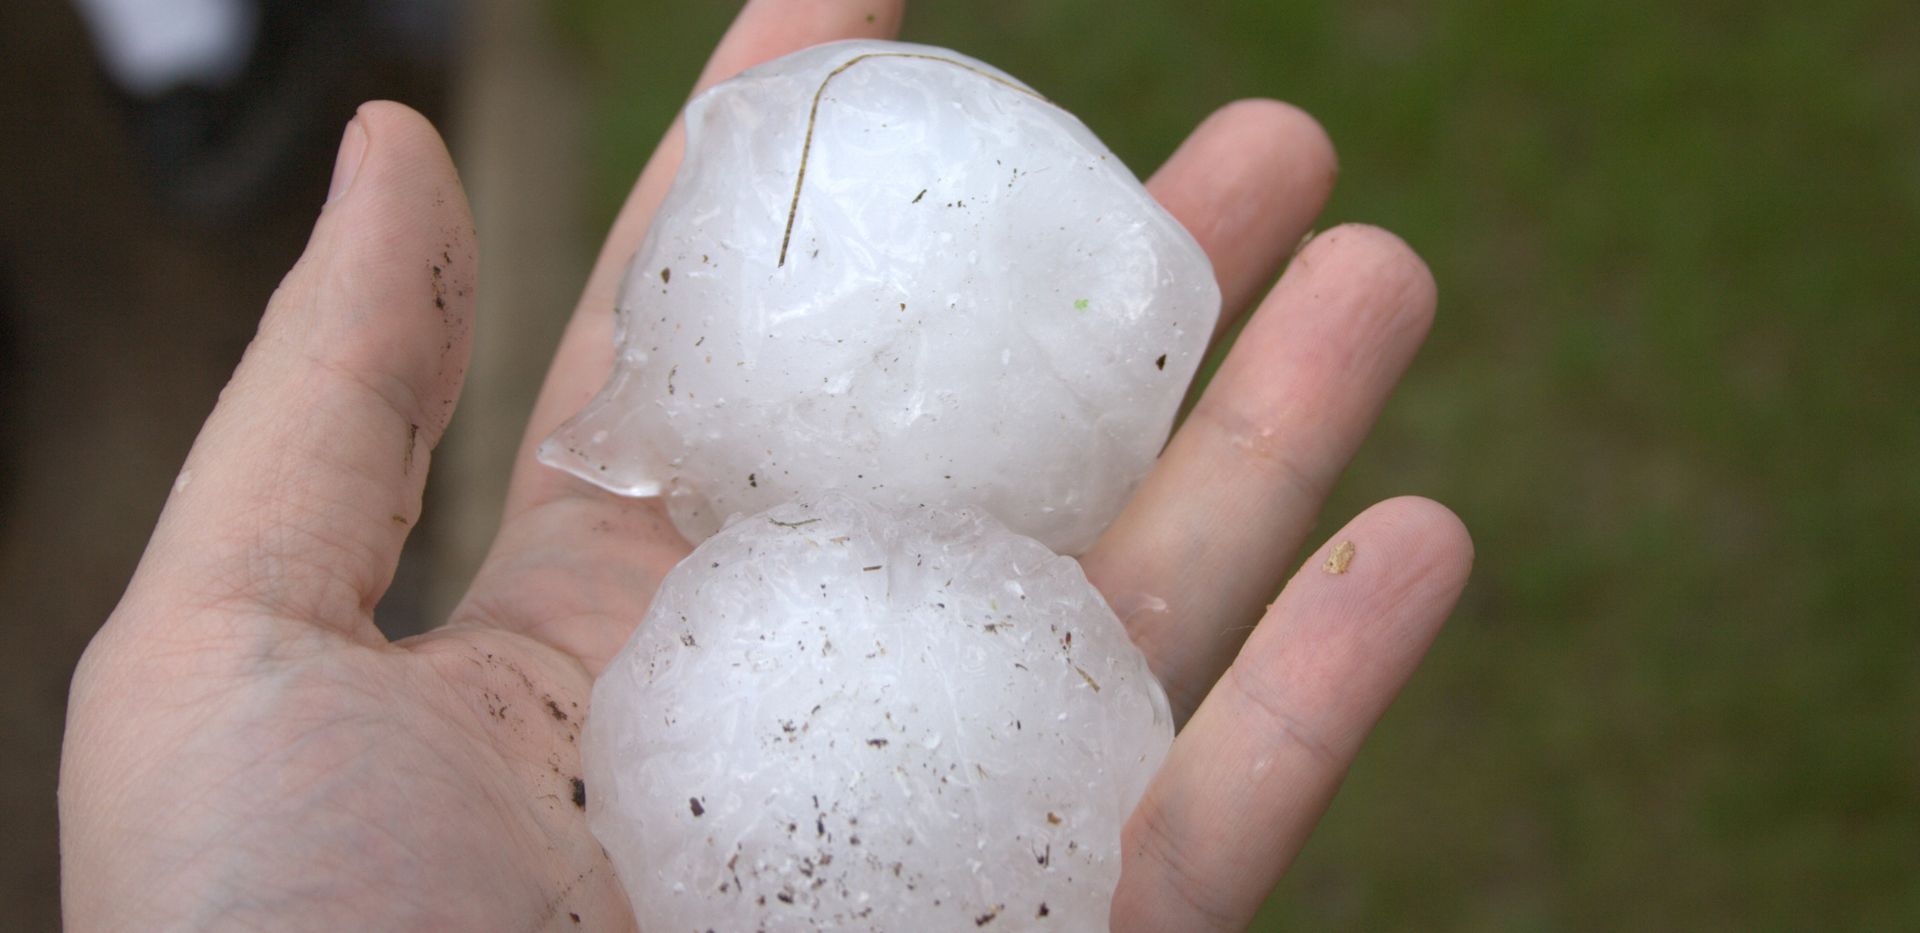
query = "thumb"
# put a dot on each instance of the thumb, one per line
(300, 489)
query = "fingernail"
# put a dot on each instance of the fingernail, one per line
(353, 147)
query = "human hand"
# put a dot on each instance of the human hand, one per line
(244, 747)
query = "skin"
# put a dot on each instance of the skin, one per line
(243, 748)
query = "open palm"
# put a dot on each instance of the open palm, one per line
(244, 747)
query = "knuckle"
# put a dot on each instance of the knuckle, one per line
(1169, 854)
(1258, 444)
(1272, 720)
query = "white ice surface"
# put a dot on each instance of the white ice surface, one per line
(834, 717)
(976, 304)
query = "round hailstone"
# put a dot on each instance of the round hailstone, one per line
(894, 270)
(839, 716)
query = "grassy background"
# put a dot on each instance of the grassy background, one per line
(1674, 389)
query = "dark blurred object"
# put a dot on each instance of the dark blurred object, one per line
(210, 149)
(215, 143)
(9, 390)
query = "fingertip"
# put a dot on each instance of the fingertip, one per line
(409, 161)
(1275, 124)
(1263, 131)
(1439, 526)
(1405, 559)
(392, 138)
(381, 110)
(1430, 534)
(883, 18)
(767, 29)
(392, 116)
(1380, 260)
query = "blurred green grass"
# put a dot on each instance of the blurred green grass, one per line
(1674, 389)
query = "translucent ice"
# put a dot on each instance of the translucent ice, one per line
(838, 716)
(895, 270)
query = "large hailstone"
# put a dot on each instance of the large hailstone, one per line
(895, 270)
(840, 716)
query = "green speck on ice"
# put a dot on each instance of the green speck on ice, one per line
(1080, 304)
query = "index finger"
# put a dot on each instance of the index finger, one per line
(764, 30)
(575, 565)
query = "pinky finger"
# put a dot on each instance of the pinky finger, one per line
(1251, 773)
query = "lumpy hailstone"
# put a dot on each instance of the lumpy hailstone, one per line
(836, 716)
(895, 270)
